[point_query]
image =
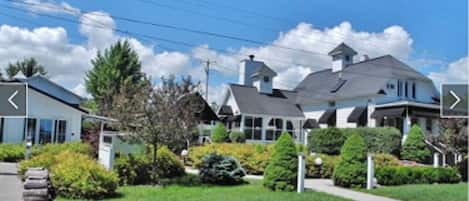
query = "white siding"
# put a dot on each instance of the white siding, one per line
(315, 112)
(41, 106)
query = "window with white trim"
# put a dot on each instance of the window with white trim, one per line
(253, 128)
(274, 129)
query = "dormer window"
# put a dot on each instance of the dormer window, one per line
(266, 79)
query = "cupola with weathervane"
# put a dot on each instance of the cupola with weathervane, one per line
(342, 56)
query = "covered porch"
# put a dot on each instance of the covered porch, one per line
(403, 114)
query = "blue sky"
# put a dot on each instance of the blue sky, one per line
(431, 36)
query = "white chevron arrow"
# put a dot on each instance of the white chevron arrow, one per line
(457, 99)
(10, 100)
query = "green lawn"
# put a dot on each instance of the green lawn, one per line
(247, 192)
(425, 192)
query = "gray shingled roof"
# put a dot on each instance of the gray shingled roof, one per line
(279, 103)
(362, 79)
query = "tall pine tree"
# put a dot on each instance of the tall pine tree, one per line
(118, 64)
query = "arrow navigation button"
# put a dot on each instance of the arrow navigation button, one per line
(10, 100)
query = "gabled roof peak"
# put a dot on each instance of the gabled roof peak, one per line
(342, 48)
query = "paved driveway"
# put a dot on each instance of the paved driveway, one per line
(11, 187)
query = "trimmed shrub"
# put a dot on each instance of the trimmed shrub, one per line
(76, 147)
(383, 160)
(78, 176)
(11, 152)
(414, 147)
(326, 141)
(218, 169)
(253, 157)
(239, 137)
(219, 134)
(169, 165)
(351, 169)
(378, 140)
(281, 172)
(137, 169)
(400, 175)
(325, 170)
(75, 175)
(133, 169)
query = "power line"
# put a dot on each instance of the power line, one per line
(178, 28)
(173, 41)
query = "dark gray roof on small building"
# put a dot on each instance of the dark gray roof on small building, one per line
(279, 103)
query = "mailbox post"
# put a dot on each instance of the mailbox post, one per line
(301, 173)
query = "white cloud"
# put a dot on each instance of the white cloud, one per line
(290, 64)
(455, 72)
(49, 6)
(98, 28)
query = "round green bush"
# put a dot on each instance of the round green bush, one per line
(351, 169)
(133, 169)
(219, 134)
(236, 136)
(281, 171)
(414, 147)
(169, 165)
(378, 140)
(326, 141)
(219, 169)
(78, 176)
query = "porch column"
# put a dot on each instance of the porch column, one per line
(443, 159)
(265, 122)
(423, 124)
(241, 124)
(371, 108)
(405, 127)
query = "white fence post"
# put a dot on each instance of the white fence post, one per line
(436, 159)
(301, 173)
(370, 173)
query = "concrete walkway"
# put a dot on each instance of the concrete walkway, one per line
(326, 186)
(11, 188)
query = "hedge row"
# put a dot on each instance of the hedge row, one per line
(15, 152)
(400, 175)
(377, 140)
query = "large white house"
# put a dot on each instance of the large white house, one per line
(381, 91)
(54, 114)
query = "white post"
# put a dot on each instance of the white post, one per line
(370, 172)
(435, 159)
(443, 159)
(301, 173)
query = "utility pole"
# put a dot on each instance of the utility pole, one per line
(207, 74)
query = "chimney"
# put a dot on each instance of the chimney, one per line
(246, 69)
(365, 57)
(251, 57)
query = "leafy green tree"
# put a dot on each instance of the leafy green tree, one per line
(351, 169)
(414, 147)
(219, 133)
(28, 67)
(281, 173)
(118, 64)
